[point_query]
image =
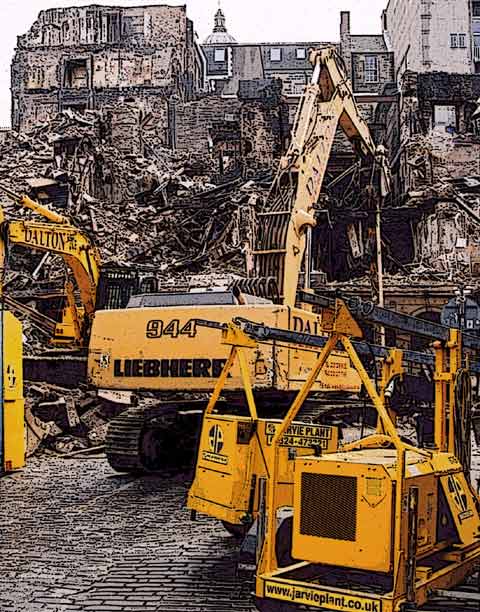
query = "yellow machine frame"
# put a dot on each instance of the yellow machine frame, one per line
(12, 429)
(412, 583)
(235, 452)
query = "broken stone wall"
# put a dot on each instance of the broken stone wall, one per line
(251, 130)
(74, 55)
(200, 126)
(435, 156)
(447, 240)
(264, 121)
(436, 142)
(152, 107)
(441, 88)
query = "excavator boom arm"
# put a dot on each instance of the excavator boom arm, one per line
(327, 103)
(71, 244)
(26, 202)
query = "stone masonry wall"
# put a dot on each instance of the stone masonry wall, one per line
(195, 123)
(70, 56)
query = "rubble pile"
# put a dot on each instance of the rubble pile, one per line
(65, 420)
(154, 208)
(143, 206)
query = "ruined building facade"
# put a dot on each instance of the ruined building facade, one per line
(88, 57)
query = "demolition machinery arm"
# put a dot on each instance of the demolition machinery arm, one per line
(61, 238)
(327, 103)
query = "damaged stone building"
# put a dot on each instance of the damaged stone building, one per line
(435, 160)
(430, 225)
(144, 69)
(229, 107)
(90, 57)
(188, 95)
(230, 103)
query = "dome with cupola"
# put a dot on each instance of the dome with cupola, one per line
(220, 35)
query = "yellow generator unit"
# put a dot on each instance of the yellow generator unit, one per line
(12, 429)
(379, 525)
(364, 484)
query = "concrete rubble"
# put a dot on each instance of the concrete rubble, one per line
(166, 168)
(171, 214)
(135, 207)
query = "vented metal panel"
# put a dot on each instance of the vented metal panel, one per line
(160, 300)
(329, 506)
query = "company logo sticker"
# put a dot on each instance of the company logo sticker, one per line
(215, 445)
(215, 438)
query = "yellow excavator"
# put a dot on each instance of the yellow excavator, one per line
(58, 236)
(89, 286)
(155, 344)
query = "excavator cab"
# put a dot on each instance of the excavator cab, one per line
(118, 285)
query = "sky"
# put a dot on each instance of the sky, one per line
(247, 21)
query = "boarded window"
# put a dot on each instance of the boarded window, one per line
(371, 69)
(275, 55)
(219, 55)
(76, 74)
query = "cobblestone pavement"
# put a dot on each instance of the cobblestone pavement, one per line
(75, 536)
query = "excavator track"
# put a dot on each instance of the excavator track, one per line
(154, 438)
(165, 436)
(123, 441)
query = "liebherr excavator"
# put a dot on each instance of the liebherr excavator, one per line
(160, 347)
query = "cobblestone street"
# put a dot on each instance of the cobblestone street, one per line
(75, 536)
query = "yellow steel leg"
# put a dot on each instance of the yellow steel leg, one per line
(268, 552)
(12, 400)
